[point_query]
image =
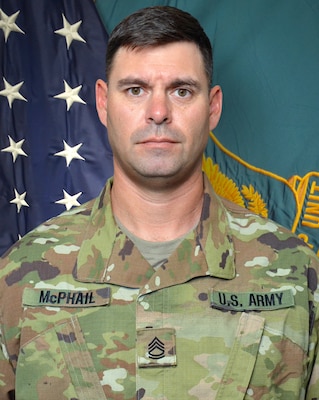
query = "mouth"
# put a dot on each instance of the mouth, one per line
(158, 144)
(158, 141)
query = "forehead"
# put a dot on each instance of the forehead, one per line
(173, 58)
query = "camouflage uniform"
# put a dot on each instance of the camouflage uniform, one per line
(232, 314)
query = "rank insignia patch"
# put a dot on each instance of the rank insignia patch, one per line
(156, 347)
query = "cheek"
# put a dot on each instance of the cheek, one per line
(197, 131)
(119, 132)
(121, 117)
(115, 122)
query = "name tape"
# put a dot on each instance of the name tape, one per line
(66, 298)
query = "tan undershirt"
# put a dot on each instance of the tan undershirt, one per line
(156, 253)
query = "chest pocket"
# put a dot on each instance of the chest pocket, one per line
(59, 357)
(242, 358)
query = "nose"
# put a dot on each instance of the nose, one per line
(158, 109)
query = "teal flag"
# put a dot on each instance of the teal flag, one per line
(266, 146)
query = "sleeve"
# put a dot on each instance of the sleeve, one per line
(312, 389)
(7, 375)
(9, 332)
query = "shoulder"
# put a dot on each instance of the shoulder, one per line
(247, 222)
(258, 235)
(58, 236)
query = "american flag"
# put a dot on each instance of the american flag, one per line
(54, 152)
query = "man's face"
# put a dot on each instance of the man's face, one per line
(158, 110)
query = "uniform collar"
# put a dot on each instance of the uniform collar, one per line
(108, 256)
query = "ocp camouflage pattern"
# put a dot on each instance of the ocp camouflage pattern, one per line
(232, 313)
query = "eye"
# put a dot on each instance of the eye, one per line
(181, 92)
(135, 91)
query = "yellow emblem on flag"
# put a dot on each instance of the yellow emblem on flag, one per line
(224, 186)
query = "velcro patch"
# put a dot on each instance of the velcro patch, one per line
(250, 301)
(156, 347)
(66, 298)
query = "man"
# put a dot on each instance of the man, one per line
(158, 289)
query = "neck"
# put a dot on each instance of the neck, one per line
(158, 214)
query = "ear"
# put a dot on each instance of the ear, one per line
(215, 106)
(101, 100)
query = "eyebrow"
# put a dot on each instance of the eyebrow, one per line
(131, 81)
(189, 82)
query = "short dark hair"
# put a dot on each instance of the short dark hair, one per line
(156, 26)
